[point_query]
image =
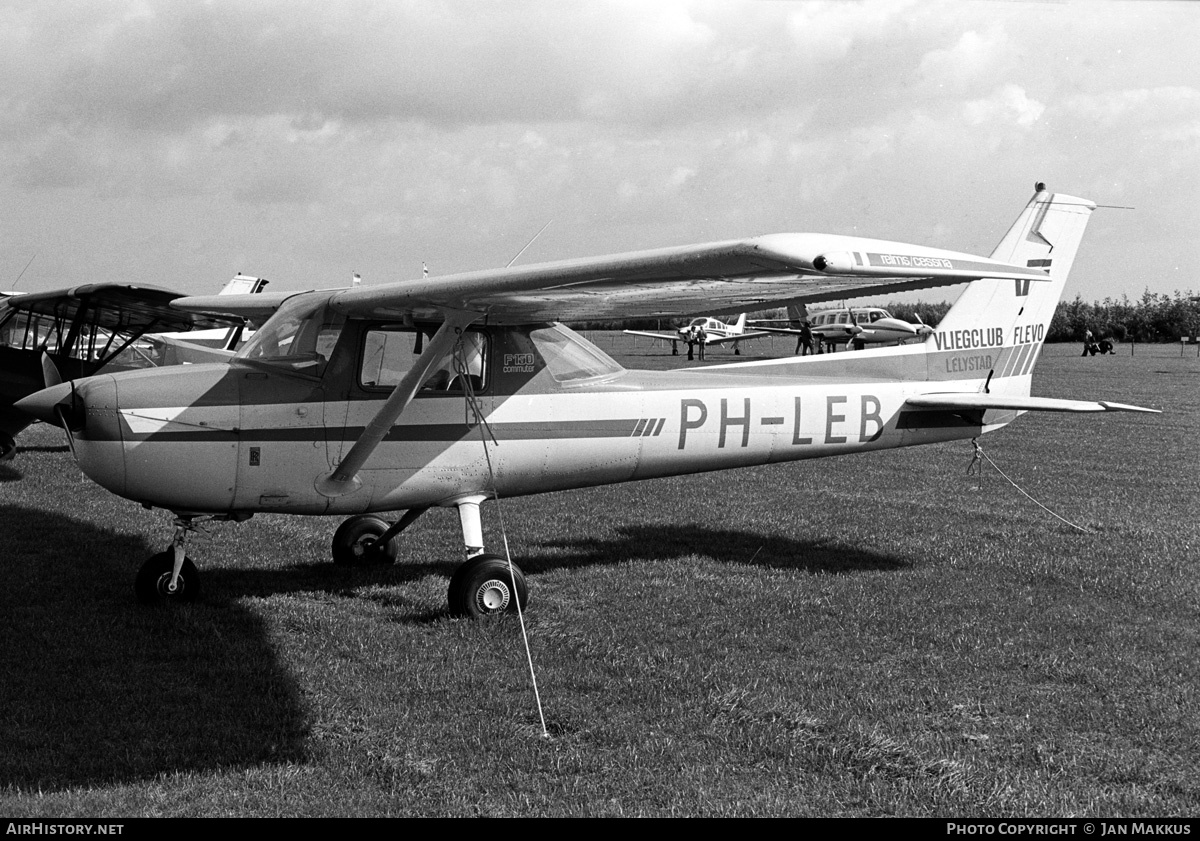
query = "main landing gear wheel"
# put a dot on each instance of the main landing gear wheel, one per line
(355, 544)
(483, 586)
(153, 582)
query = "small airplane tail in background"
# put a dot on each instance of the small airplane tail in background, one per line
(797, 314)
(244, 285)
(740, 326)
(1007, 320)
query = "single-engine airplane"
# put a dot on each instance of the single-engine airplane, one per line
(704, 331)
(859, 326)
(452, 391)
(75, 332)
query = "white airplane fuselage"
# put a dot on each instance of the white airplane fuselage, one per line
(242, 437)
(712, 329)
(421, 394)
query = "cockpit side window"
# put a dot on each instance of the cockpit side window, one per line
(390, 351)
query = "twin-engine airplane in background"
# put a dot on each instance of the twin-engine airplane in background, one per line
(704, 331)
(859, 326)
(452, 391)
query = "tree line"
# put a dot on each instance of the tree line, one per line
(1156, 317)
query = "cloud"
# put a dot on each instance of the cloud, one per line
(1008, 106)
(829, 31)
(971, 58)
(388, 131)
(1167, 111)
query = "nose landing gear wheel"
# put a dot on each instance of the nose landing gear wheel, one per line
(483, 586)
(153, 582)
(354, 542)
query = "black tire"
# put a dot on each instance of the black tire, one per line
(8, 447)
(153, 580)
(354, 542)
(483, 587)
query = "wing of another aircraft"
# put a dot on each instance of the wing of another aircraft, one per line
(255, 307)
(730, 276)
(175, 351)
(667, 337)
(116, 307)
(736, 337)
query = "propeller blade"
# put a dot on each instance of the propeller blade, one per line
(50, 374)
(65, 422)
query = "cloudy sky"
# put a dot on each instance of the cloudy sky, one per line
(177, 142)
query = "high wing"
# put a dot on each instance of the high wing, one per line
(980, 401)
(257, 308)
(117, 307)
(721, 277)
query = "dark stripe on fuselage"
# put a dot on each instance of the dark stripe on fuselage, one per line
(443, 432)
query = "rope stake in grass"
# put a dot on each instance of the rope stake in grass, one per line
(976, 465)
(485, 431)
(980, 454)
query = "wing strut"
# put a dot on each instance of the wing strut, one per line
(344, 478)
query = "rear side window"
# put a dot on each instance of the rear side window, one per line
(570, 357)
(389, 352)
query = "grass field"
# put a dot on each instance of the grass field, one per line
(869, 635)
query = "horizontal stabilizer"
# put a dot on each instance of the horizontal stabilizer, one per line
(975, 400)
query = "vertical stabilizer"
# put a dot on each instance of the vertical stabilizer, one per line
(243, 285)
(1046, 235)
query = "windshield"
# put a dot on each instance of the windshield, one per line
(300, 336)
